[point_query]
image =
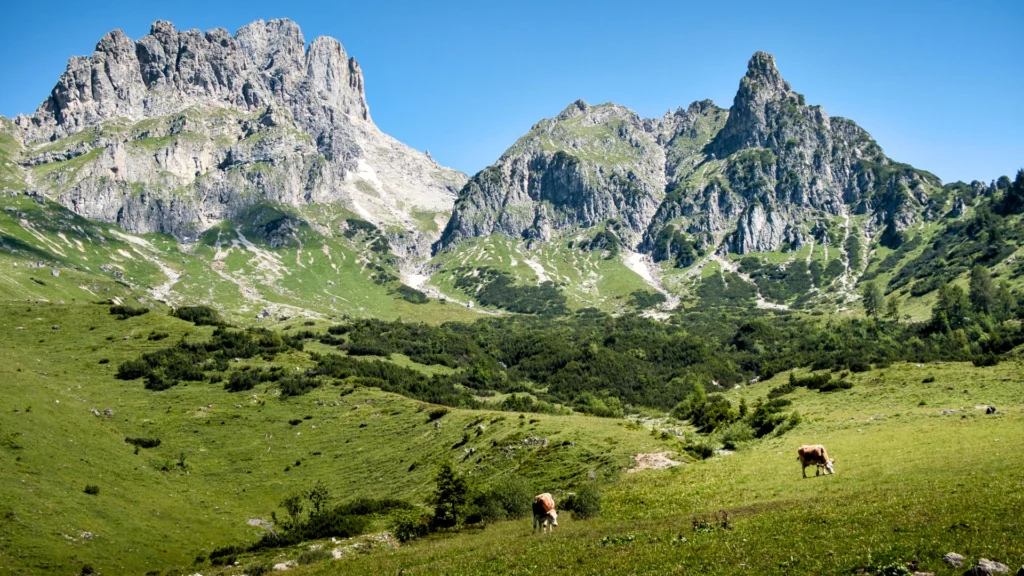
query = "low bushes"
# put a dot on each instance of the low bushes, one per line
(198, 315)
(143, 442)
(585, 503)
(124, 312)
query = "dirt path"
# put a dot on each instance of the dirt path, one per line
(653, 461)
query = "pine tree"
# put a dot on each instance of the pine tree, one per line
(892, 308)
(1005, 303)
(450, 496)
(982, 290)
(873, 299)
(952, 309)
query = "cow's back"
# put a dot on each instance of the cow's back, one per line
(813, 454)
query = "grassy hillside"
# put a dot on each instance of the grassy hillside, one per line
(911, 484)
(223, 457)
(49, 253)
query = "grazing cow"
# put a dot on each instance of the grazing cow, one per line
(544, 513)
(817, 456)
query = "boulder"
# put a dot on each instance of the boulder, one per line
(953, 559)
(986, 567)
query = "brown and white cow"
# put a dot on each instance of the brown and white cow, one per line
(544, 513)
(817, 456)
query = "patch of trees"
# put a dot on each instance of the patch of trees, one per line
(198, 361)
(603, 240)
(410, 294)
(673, 244)
(198, 315)
(645, 299)
(986, 238)
(607, 366)
(493, 287)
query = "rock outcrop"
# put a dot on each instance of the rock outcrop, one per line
(180, 129)
(760, 176)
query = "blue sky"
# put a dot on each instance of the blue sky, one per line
(940, 85)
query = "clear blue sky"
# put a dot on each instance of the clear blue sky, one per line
(939, 84)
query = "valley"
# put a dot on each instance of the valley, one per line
(245, 331)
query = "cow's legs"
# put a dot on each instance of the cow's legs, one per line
(805, 470)
(817, 470)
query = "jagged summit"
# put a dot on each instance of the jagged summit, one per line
(754, 178)
(167, 71)
(179, 130)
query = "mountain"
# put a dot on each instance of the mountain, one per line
(750, 179)
(180, 130)
(771, 203)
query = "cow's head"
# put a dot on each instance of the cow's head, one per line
(829, 467)
(554, 517)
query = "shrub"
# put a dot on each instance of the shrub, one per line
(198, 315)
(104, 360)
(92, 489)
(143, 442)
(699, 450)
(928, 380)
(586, 503)
(515, 496)
(226, 551)
(87, 570)
(125, 312)
(157, 336)
(410, 526)
(436, 414)
(737, 433)
(313, 556)
(985, 360)
(242, 381)
(782, 390)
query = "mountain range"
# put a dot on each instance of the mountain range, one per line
(193, 146)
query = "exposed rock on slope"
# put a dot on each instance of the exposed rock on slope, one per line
(585, 167)
(181, 129)
(767, 173)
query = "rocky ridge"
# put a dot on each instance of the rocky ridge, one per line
(768, 173)
(182, 129)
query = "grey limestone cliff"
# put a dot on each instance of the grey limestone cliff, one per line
(181, 129)
(764, 174)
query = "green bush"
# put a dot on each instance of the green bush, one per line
(198, 315)
(143, 442)
(410, 526)
(92, 489)
(699, 450)
(585, 503)
(737, 433)
(124, 312)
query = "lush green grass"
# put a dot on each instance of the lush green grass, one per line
(240, 450)
(910, 484)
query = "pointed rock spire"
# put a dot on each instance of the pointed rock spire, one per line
(749, 117)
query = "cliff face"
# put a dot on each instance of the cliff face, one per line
(178, 130)
(763, 174)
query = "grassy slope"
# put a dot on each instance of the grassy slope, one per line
(586, 278)
(911, 483)
(223, 272)
(236, 447)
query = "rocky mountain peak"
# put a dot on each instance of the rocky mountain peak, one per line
(168, 70)
(754, 107)
(762, 70)
(178, 130)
